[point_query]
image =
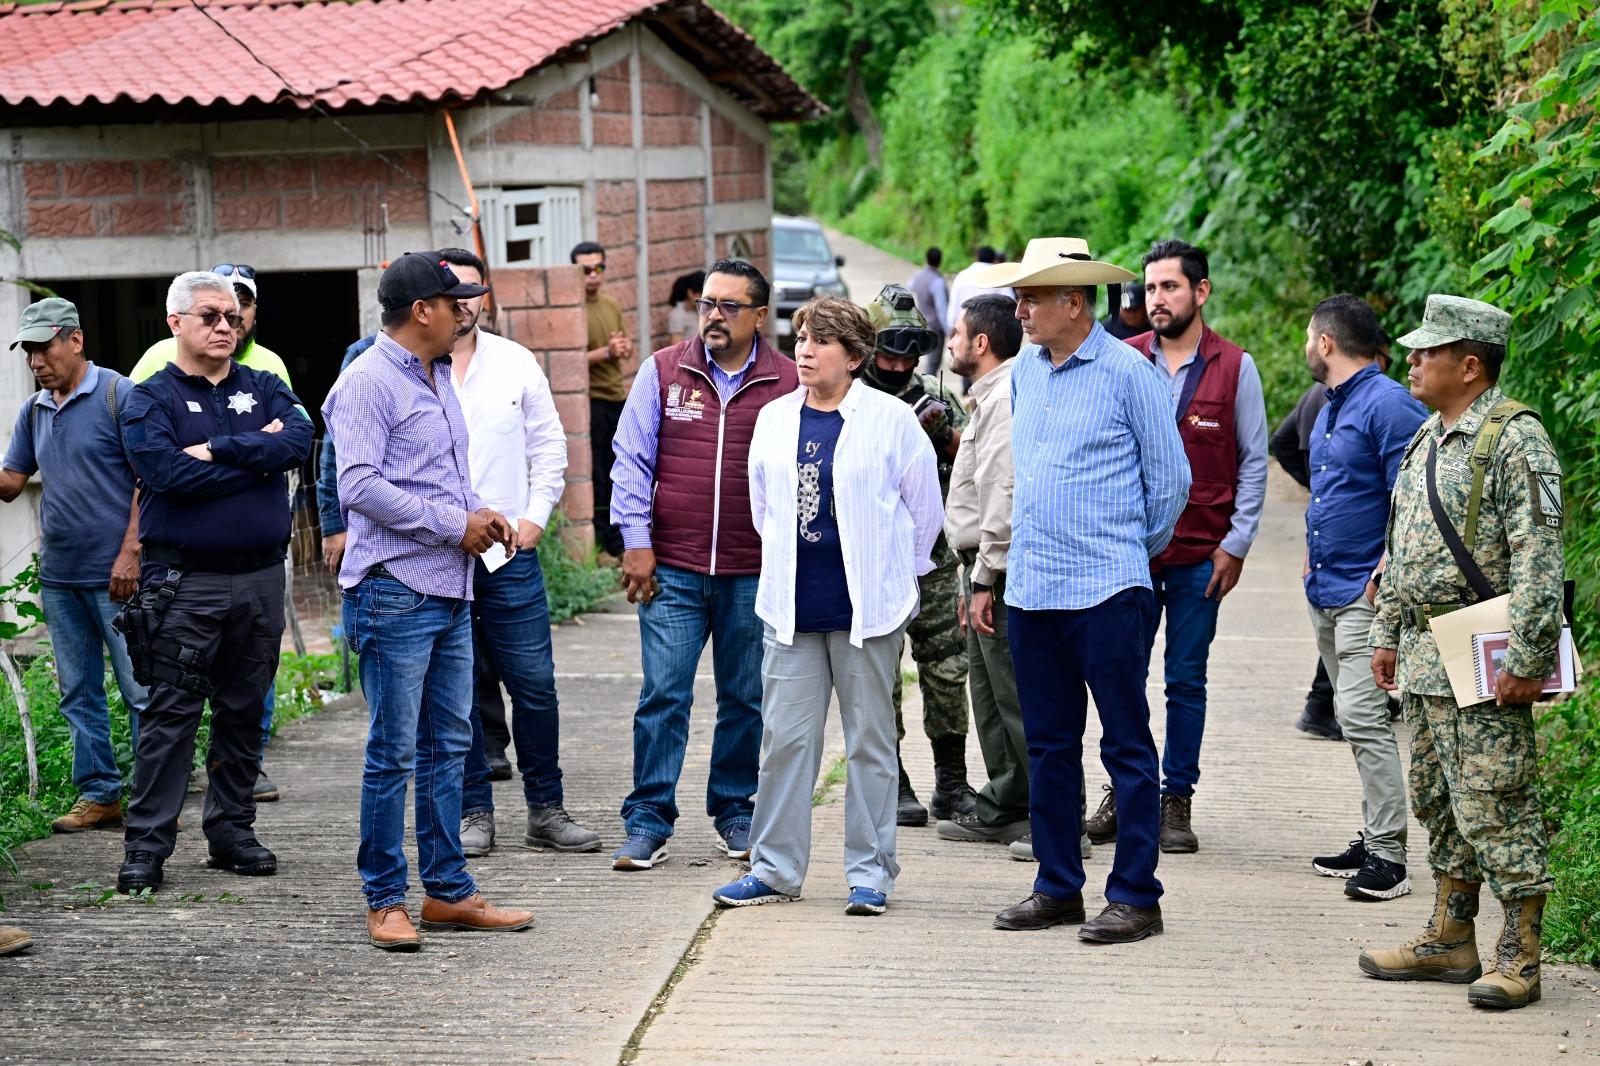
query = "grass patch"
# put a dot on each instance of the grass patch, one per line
(831, 778)
(573, 586)
(1569, 734)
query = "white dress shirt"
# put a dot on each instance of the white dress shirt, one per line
(886, 496)
(963, 288)
(517, 450)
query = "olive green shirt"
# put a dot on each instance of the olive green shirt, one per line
(1518, 544)
(605, 379)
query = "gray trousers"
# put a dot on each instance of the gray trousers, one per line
(1362, 709)
(797, 682)
(998, 715)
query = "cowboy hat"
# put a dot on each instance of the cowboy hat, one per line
(1053, 261)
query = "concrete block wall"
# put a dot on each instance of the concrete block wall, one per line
(106, 198)
(323, 191)
(542, 310)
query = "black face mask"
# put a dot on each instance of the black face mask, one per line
(893, 380)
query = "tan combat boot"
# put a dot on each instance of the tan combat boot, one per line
(1514, 981)
(1446, 951)
(87, 814)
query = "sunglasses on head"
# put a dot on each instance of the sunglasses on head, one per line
(907, 341)
(209, 319)
(230, 269)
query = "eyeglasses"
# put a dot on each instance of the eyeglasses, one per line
(209, 319)
(907, 341)
(596, 268)
(729, 308)
(229, 269)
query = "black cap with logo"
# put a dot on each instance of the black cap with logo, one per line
(422, 276)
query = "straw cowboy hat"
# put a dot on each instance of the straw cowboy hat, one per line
(1054, 261)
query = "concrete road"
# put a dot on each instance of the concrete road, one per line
(1258, 963)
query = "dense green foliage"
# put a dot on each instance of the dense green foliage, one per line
(1389, 148)
(572, 586)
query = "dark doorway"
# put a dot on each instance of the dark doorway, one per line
(308, 317)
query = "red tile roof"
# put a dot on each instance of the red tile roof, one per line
(342, 54)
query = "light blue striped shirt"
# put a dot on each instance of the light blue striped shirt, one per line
(1101, 474)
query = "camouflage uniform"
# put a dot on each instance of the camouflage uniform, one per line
(937, 644)
(1473, 768)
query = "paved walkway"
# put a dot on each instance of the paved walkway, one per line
(1257, 965)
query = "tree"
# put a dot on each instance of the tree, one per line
(844, 51)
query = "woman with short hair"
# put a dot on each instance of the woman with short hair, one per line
(844, 489)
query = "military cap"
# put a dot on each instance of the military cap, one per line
(1448, 319)
(41, 321)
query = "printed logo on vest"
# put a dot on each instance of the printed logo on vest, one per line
(684, 410)
(1204, 423)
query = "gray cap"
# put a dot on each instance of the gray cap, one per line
(1448, 319)
(42, 320)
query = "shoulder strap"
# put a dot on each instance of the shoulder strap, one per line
(1464, 560)
(1483, 446)
(111, 406)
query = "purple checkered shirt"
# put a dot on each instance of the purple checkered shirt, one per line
(405, 489)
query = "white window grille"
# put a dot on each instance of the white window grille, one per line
(530, 227)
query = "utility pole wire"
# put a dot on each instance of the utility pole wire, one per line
(325, 113)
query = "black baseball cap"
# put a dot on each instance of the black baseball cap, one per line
(422, 276)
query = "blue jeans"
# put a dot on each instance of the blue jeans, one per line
(673, 629)
(267, 706)
(416, 673)
(1061, 658)
(80, 635)
(511, 630)
(1191, 625)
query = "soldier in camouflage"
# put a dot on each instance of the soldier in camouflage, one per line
(937, 644)
(1473, 768)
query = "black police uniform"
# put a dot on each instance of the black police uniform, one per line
(214, 536)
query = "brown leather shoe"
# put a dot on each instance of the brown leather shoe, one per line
(1040, 911)
(1122, 923)
(87, 814)
(473, 914)
(13, 940)
(390, 928)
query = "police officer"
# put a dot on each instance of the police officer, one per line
(210, 441)
(1496, 487)
(937, 643)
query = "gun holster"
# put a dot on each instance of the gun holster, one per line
(154, 657)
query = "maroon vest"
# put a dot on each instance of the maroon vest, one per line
(1206, 425)
(701, 512)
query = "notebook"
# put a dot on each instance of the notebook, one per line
(1489, 652)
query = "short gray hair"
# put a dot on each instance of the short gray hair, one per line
(186, 286)
(1088, 292)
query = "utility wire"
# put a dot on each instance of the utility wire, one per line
(325, 113)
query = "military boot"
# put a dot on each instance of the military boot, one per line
(1446, 951)
(951, 793)
(908, 811)
(1514, 981)
(1102, 825)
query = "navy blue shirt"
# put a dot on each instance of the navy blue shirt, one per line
(88, 484)
(237, 505)
(821, 597)
(1357, 442)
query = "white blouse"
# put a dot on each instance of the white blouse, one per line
(886, 496)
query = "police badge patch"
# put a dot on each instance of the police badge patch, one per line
(1544, 488)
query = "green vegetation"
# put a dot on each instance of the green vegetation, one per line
(1389, 148)
(572, 586)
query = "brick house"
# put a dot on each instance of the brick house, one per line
(316, 139)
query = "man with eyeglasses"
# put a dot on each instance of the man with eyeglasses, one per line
(247, 350)
(210, 441)
(937, 643)
(257, 357)
(67, 432)
(610, 359)
(692, 557)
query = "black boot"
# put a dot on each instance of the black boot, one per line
(909, 811)
(951, 793)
